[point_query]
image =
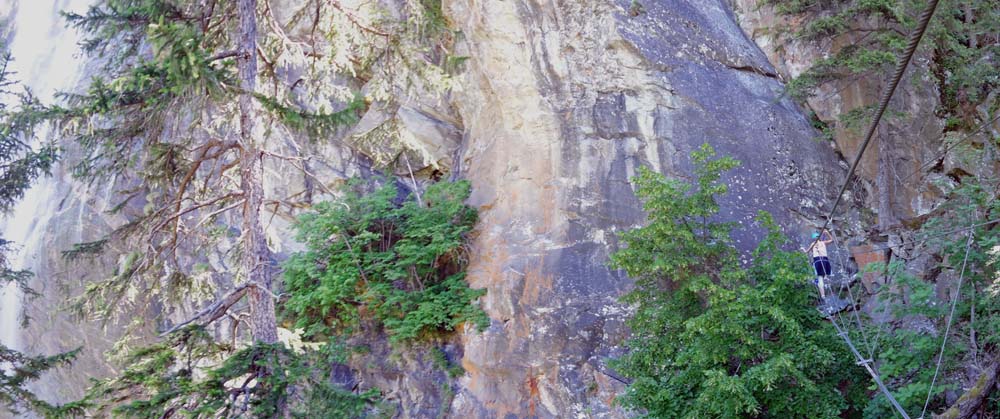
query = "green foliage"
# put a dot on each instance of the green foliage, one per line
(20, 369)
(433, 16)
(191, 374)
(20, 164)
(826, 131)
(440, 360)
(962, 35)
(19, 277)
(403, 265)
(133, 97)
(85, 249)
(712, 338)
(314, 123)
(161, 115)
(907, 355)
(118, 26)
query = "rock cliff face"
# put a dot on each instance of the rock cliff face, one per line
(911, 115)
(559, 103)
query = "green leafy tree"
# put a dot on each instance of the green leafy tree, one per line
(710, 337)
(177, 112)
(402, 264)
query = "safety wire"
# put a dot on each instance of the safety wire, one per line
(867, 364)
(897, 76)
(846, 283)
(842, 331)
(886, 272)
(925, 239)
(911, 47)
(951, 316)
(878, 332)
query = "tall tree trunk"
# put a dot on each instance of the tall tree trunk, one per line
(256, 260)
(969, 403)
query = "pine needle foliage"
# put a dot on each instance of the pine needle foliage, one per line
(20, 113)
(21, 163)
(21, 369)
(964, 39)
(191, 375)
(403, 265)
(712, 338)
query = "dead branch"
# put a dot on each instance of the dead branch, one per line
(207, 16)
(301, 166)
(203, 155)
(355, 258)
(213, 311)
(193, 207)
(416, 189)
(223, 55)
(219, 211)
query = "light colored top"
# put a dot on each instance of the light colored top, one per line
(819, 249)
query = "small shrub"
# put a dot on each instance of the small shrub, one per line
(401, 265)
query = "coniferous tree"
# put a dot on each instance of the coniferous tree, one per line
(179, 118)
(710, 337)
(182, 120)
(20, 164)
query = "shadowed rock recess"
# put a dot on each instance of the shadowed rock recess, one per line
(558, 104)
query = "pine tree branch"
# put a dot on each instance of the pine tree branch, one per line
(219, 211)
(357, 22)
(179, 213)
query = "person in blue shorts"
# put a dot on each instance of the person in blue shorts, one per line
(820, 259)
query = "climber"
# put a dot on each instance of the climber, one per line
(820, 260)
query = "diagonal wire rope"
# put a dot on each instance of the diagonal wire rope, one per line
(925, 239)
(897, 76)
(867, 364)
(928, 163)
(904, 61)
(947, 329)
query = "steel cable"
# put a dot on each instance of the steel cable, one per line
(908, 52)
(947, 329)
(904, 62)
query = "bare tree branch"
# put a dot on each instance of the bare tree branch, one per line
(213, 311)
